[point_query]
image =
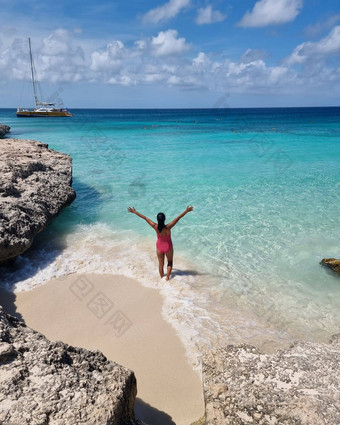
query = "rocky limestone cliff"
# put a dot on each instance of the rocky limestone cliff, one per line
(35, 185)
(4, 129)
(44, 382)
(295, 386)
(332, 263)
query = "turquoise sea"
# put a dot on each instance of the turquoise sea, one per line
(265, 184)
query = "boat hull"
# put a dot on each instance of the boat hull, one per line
(32, 114)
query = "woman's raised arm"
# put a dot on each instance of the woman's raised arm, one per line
(176, 220)
(150, 222)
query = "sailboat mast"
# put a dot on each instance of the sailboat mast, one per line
(32, 72)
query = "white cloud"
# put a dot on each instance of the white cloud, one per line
(149, 60)
(207, 15)
(56, 58)
(326, 46)
(254, 77)
(14, 59)
(122, 80)
(314, 30)
(312, 51)
(166, 11)
(166, 60)
(60, 59)
(110, 59)
(201, 60)
(251, 55)
(167, 43)
(56, 43)
(271, 12)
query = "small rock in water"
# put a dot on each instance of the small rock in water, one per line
(333, 263)
(4, 129)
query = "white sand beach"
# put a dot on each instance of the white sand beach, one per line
(119, 317)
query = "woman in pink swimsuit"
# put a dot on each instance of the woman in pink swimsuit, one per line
(164, 243)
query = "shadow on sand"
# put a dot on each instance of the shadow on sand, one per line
(7, 301)
(150, 415)
(176, 272)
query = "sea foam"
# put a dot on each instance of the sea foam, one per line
(189, 297)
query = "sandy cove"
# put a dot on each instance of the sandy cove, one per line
(119, 317)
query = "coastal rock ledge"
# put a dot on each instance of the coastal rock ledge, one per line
(4, 129)
(35, 185)
(43, 382)
(295, 386)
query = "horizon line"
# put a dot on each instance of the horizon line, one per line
(196, 108)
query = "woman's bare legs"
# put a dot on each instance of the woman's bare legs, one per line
(160, 263)
(169, 256)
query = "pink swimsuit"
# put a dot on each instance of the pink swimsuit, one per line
(164, 243)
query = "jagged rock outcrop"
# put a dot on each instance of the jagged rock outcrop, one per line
(295, 386)
(35, 185)
(4, 129)
(44, 382)
(332, 263)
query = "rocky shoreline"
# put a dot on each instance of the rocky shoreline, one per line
(4, 129)
(44, 382)
(298, 385)
(35, 185)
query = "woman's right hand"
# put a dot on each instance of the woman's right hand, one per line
(189, 208)
(132, 210)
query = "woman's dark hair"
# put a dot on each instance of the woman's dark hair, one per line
(161, 221)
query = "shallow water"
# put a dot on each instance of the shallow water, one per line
(265, 184)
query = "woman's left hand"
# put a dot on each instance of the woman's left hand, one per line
(132, 210)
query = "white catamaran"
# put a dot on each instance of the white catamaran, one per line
(42, 109)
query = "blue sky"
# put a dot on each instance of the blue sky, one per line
(176, 53)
